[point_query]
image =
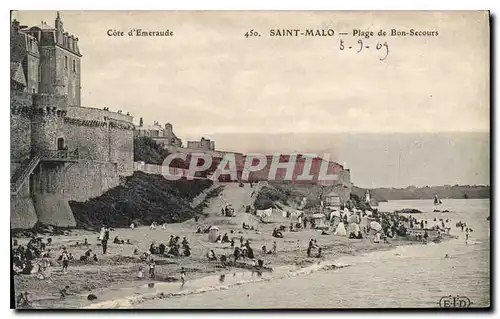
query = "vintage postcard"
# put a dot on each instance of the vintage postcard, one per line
(250, 159)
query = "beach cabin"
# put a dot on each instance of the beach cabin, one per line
(332, 200)
(319, 220)
(213, 233)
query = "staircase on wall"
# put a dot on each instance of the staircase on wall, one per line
(21, 175)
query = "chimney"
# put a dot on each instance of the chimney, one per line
(70, 42)
(15, 25)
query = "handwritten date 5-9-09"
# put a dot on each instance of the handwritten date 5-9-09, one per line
(381, 47)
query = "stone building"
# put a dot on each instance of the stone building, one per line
(161, 134)
(203, 144)
(50, 58)
(60, 150)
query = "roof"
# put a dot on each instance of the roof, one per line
(43, 26)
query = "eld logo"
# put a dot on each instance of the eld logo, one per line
(454, 302)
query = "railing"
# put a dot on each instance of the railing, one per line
(59, 155)
(19, 181)
(43, 155)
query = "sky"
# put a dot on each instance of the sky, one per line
(250, 94)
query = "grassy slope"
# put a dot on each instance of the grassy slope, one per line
(142, 199)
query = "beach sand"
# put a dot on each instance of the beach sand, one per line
(119, 266)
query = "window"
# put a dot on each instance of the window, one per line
(74, 66)
(65, 62)
(39, 73)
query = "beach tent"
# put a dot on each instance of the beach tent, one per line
(319, 220)
(213, 233)
(376, 226)
(340, 231)
(335, 213)
(264, 213)
(353, 228)
(353, 219)
(368, 213)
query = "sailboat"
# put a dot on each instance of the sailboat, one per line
(371, 201)
(437, 201)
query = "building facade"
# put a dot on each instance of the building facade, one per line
(161, 134)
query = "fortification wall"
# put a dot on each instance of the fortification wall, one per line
(91, 137)
(91, 113)
(53, 209)
(48, 195)
(101, 135)
(87, 179)
(47, 121)
(22, 209)
(121, 139)
(20, 126)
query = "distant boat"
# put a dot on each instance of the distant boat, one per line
(437, 201)
(371, 201)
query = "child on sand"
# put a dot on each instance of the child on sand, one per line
(65, 260)
(140, 273)
(183, 276)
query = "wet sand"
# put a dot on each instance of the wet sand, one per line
(118, 268)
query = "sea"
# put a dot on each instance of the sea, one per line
(453, 273)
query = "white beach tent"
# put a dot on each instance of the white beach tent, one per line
(264, 213)
(213, 233)
(340, 231)
(368, 213)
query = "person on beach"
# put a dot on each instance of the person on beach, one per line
(310, 247)
(232, 243)
(274, 247)
(152, 266)
(132, 226)
(65, 260)
(104, 243)
(466, 238)
(183, 276)
(153, 226)
(140, 272)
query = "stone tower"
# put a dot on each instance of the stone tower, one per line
(60, 59)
